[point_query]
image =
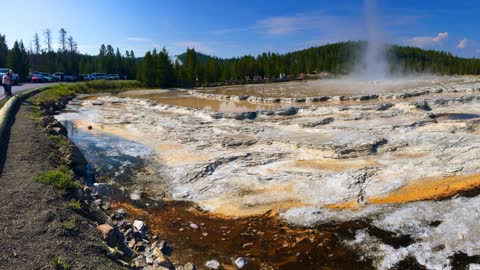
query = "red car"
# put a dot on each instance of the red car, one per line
(37, 79)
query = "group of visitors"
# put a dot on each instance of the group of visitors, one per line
(7, 83)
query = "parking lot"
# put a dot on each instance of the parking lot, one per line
(17, 89)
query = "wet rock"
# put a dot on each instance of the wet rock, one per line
(213, 264)
(287, 112)
(98, 103)
(368, 97)
(423, 105)
(324, 121)
(240, 262)
(383, 106)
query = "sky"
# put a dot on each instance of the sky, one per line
(229, 28)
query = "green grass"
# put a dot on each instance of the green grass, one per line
(57, 140)
(59, 178)
(69, 225)
(59, 263)
(54, 93)
(75, 205)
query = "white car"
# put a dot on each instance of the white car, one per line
(113, 77)
(15, 77)
(100, 76)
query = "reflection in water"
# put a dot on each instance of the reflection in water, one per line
(108, 156)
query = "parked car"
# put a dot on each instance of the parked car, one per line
(37, 78)
(59, 76)
(15, 77)
(70, 78)
(88, 77)
(113, 77)
(100, 76)
(48, 77)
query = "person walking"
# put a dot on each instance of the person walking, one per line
(7, 83)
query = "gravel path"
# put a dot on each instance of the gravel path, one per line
(31, 214)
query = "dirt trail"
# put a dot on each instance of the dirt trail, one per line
(31, 214)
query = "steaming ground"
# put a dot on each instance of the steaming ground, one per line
(386, 160)
(346, 86)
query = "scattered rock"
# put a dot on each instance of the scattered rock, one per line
(423, 105)
(240, 262)
(189, 266)
(138, 225)
(213, 264)
(105, 230)
(193, 226)
(140, 262)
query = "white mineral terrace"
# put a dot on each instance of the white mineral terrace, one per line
(385, 159)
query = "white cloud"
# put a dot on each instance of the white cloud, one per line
(280, 25)
(140, 39)
(462, 44)
(428, 41)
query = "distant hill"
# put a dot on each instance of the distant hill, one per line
(341, 57)
(202, 58)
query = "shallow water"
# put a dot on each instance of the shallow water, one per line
(332, 87)
(183, 99)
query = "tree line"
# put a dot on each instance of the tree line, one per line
(66, 58)
(193, 68)
(159, 69)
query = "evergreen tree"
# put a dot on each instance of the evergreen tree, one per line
(3, 51)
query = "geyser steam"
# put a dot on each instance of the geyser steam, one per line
(373, 63)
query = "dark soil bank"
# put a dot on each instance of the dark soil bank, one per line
(33, 215)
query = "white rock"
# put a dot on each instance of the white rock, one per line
(213, 264)
(240, 262)
(193, 226)
(474, 266)
(138, 225)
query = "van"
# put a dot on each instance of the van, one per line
(100, 76)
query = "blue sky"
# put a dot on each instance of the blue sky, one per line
(235, 28)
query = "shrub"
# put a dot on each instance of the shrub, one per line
(56, 92)
(75, 205)
(57, 140)
(60, 264)
(59, 178)
(69, 225)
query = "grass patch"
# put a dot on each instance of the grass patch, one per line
(59, 178)
(69, 225)
(75, 205)
(57, 140)
(56, 92)
(60, 263)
